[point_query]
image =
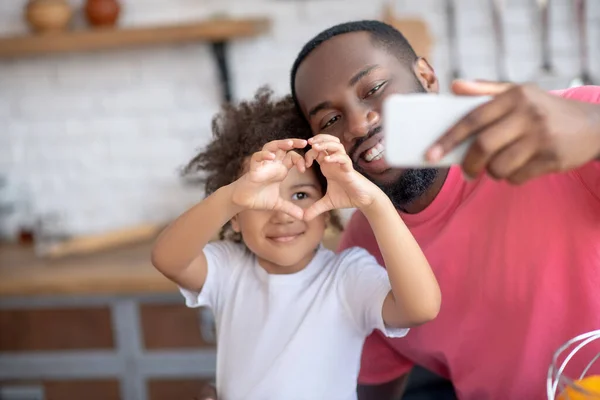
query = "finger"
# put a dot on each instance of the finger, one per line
(285, 144)
(319, 207)
(260, 156)
(290, 209)
(512, 158)
(480, 118)
(330, 147)
(323, 138)
(300, 163)
(535, 167)
(292, 158)
(479, 87)
(341, 159)
(310, 157)
(492, 140)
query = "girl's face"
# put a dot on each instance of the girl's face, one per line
(282, 243)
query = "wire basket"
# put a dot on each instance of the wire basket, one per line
(562, 382)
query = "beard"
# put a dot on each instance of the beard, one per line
(409, 186)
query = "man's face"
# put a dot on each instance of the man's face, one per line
(340, 87)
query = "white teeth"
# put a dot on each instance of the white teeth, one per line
(374, 153)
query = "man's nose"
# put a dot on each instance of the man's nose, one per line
(360, 123)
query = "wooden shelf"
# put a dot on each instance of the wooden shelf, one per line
(217, 31)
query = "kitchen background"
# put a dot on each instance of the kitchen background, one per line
(91, 143)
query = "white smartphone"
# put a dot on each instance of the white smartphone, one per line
(413, 122)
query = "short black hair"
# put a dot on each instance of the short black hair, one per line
(382, 35)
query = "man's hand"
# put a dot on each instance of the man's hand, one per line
(259, 188)
(346, 188)
(523, 132)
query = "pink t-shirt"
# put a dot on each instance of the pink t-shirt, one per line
(519, 270)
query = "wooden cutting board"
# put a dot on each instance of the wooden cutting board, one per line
(104, 241)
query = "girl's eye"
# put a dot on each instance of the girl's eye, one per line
(375, 89)
(300, 196)
(331, 122)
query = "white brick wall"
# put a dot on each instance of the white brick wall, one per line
(97, 138)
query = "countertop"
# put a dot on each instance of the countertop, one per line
(125, 270)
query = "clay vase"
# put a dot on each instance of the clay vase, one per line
(48, 15)
(102, 13)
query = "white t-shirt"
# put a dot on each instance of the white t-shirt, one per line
(295, 336)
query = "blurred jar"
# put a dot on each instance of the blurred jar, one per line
(45, 16)
(102, 13)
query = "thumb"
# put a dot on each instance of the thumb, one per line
(317, 209)
(479, 88)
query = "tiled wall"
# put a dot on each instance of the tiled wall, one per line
(97, 138)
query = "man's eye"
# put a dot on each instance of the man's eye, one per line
(375, 89)
(331, 122)
(300, 196)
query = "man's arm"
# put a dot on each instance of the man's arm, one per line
(392, 390)
(589, 173)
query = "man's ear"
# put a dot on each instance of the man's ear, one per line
(426, 75)
(235, 224)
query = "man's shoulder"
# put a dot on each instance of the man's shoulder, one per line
(589, 94)
(357, 233)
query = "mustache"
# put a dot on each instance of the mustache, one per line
(363, 139)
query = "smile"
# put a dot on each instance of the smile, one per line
(284, 239)
(374, 153)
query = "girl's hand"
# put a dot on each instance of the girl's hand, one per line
(258, 188)
(346, 188)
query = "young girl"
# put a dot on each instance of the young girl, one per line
(291, 315)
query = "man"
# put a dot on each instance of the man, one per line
(518, 265)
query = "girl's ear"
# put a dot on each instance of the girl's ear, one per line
(235, 225)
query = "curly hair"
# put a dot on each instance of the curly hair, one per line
(240, 130)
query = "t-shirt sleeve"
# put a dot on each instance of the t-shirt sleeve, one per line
(363, 287)
(380, 362)
(221, 258)
(589, 174)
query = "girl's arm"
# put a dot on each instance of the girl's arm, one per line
(177, 253)
(178, 250)
(415, 297)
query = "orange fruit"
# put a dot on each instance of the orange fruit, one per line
(590, 384)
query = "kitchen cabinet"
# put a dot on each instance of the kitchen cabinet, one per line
(102, 326)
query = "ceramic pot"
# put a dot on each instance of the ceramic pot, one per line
(48, 15)
(102, 13)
